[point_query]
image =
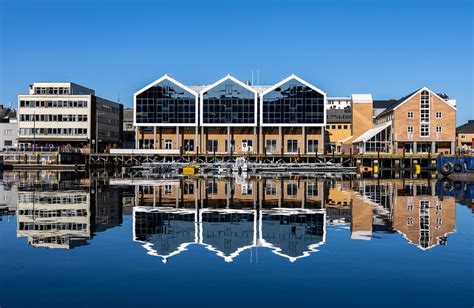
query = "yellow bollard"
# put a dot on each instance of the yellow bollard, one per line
(417, 169)
(376, 169)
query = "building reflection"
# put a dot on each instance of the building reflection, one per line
(409, 207)
(230, 216)
(288, 216)
(61, 210)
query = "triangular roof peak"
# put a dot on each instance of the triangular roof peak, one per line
(293, 77)
(228, 77)
(409, 96)
(170, 79)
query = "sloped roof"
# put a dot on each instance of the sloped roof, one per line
(467, 128)
(396, 103)
(402, 100)
(372, 132)
(383, 103)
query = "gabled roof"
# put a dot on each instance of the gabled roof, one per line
(396, 103)
(228, 77)
(383, 103)
(291, 77)
(402, 100)
(467, 128)
(170, 79)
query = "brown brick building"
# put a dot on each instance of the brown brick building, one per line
(421, 122)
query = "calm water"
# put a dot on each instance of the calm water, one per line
(72, 241)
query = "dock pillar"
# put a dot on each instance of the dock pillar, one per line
(280, 136)
(177, 137)
(304, 140)
(154, 137)
(137, 140)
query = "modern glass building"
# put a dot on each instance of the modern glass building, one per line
(229, 102)
(230, 117)
(292, 102)
(166, 102)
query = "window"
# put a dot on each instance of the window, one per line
(424, 130)
(168, 144)
(212, 145)
(410, 114)
(425, 114)
(292, 146)
(270, 189)
(188, 144)
(291, 189)
(439, 114)
(7, 143)
(410, 221)
(410, 129)
(345, 126)
(211, 188)
(188, 188)
(312, 146)
(228, 102)
(312, 189)
(168, 190)
(165, 102)
(271, 146)
(438, 129)
(293, 103)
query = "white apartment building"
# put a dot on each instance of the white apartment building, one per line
(67, 115)
(338, 102)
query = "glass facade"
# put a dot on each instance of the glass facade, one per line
(228, 103)
(166, 103)
(293, 103)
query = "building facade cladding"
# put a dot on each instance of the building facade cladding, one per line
(58, 120)
(229, 102)
(8, 134)
(166, 102)
(231, 119)
(293, 102)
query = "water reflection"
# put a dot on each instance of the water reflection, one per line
(289, 216)
(61, 210)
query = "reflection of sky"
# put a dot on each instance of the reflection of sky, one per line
(115, 265)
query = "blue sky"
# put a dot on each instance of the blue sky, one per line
(387, 48)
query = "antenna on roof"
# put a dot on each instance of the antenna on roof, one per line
(252, 78)
(258, 76)
(118, 98)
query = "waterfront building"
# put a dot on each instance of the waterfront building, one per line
(421, 122)
(128, 130)
(289, 118)
(465, 136)
(8, 128)
(338, 128)
(67, 115)
(231, 117)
